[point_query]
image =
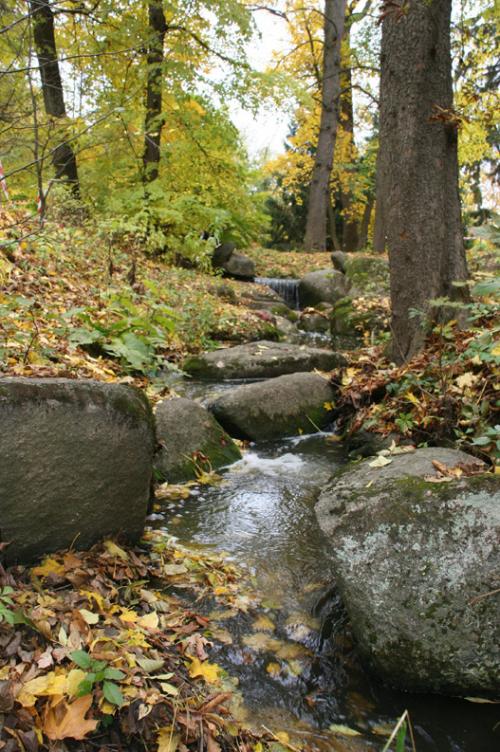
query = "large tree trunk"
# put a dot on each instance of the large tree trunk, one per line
(154, 116)
(63, 156)
(319, 195)
(418, 167)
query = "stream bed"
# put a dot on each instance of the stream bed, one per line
(295, 662)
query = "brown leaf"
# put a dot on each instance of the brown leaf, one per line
(67, 721)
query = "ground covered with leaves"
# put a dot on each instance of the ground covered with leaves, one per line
(99, 651)
(75, 304)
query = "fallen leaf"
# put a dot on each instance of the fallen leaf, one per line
(68, 721)
(380, 461)
(209, 671)
(167, 741)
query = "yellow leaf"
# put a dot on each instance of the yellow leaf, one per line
(41, 686)
(466, 379)
(338, 728)
(380, 461)
(88, 616)
(274, 669)
(496, 351)
(49, 566)
(129, 616)
(149, 621)
(264, 624)
(209, 671)
(167, 740)
(411, 398)
(73, 681)
(328, 405)
(115, 550)
(283, 737)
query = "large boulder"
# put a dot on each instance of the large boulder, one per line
(239, 266)
(190, 441)
(322, 286)
(76, 464)
(279, 407)
(417, 562)
(260, 360)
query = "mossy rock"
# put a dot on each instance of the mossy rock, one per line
(416, 563)
(275, 408)
(190, 441)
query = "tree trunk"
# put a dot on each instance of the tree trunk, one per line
(154, 117)
(350, 238)
(365, 224)
(379, 240)
(319, 195)
(419, 168)
(63, 156)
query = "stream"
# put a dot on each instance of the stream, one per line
(298, 670)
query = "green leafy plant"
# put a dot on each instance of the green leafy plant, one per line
(7, 613)
(132, 333)
(98, 673)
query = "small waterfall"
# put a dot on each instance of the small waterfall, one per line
(287, 288)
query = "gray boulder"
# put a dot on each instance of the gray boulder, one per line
(222, 254)
(262, 359)
(322, 286)
(190, 439)
(311, 321)
(76, 464)
(339, 260)
(239, 266)
(417, 564)
(279, 407)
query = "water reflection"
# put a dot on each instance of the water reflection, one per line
(263, 515)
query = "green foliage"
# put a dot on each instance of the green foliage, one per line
(133, 334)
(7, 612)
(98, 673)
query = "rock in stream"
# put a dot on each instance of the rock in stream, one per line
(417, 564)
(260, 360)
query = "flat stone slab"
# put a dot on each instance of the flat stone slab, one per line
(75, 464)
(191, 441)
(261, 360)
(275, 408)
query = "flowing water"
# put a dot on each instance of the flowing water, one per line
(303, 673)
(287, 288)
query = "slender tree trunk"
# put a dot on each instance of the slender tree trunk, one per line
(350, 239)
(419, 167)
(365, 224)
(63, 156)
(319, 195)
(154, 117)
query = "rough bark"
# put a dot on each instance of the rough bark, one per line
(379, 240)
(154, 117)
(319, 195)
(63, 156)
(418, 167)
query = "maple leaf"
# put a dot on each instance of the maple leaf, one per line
(68, 721)
(209, 671)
